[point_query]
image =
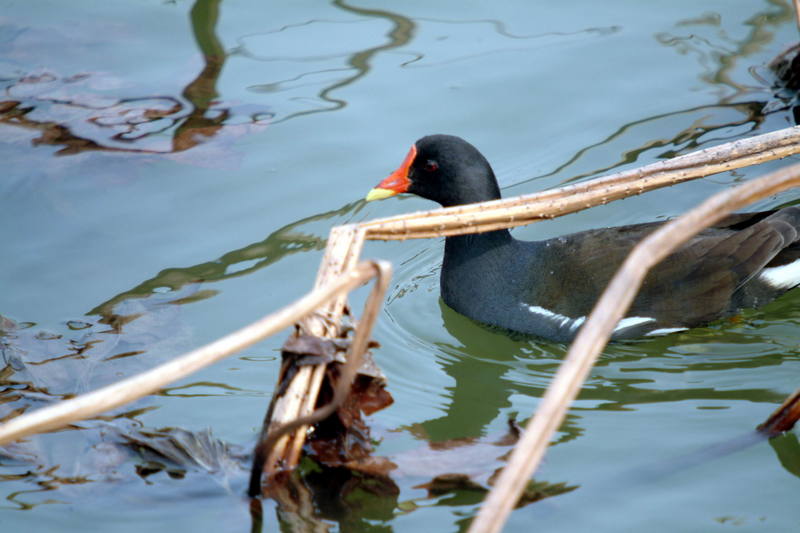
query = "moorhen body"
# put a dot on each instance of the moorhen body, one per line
(547, 288)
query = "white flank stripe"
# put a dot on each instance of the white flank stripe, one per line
(664, 331)
(563, 321)
(630, 321)
(782, 277)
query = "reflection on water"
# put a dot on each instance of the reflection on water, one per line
(358, 63)
(469, 40)
(787, 449)
(740, 108)
(41, 365)
(289, 239)
(72, 111)
(135, 331)
(727, 121)
(713, 367)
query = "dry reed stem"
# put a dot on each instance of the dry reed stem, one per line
(341, 253)
(94, 403)
(520, 210)
(797, 12)
(344, 253)
(383, 274)
(597, 329)
(784, 417)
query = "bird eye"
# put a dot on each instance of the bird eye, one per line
(431, 166)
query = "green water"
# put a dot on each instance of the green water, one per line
(171, 171)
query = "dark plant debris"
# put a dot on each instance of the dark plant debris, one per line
(342, 438)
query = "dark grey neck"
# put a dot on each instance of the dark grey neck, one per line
(462, 248)
(475, 185)
(475, 268)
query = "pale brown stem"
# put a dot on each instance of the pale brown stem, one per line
(797, 12)
(94, 403)
(383, 273)
(595, 333)
(520, 210)
(343, 250)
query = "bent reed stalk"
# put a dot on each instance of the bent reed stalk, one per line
(596, 332)
(130, 389)
(521, 210)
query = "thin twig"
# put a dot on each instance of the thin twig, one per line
(520, 210)
(594, 335)
(93, 403)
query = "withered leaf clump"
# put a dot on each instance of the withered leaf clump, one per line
(342, 438)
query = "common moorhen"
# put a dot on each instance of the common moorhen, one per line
(547, 288)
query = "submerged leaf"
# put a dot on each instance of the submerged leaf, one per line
(187, 449)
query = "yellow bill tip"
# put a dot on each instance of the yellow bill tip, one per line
(379, 194)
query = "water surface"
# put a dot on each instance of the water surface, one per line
(172, 170)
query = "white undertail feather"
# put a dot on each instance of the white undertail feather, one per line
(782, 277)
